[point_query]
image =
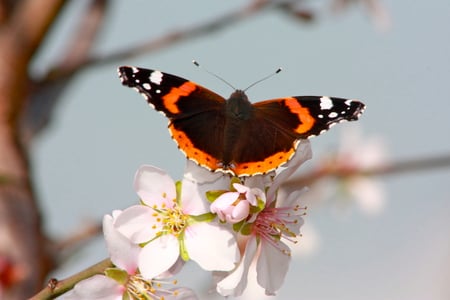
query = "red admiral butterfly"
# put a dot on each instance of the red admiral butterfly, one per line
(235, 136)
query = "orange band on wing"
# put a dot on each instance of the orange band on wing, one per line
(306, 120)
(187, 147)
(170, 100)
(261, 167)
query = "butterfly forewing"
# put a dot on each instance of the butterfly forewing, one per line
(174, 96)
(309, 116)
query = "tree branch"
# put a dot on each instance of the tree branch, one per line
(159, 43)
(56, 288)
(410, 165)
(44, 97)
(23, 241)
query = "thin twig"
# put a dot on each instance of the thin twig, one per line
(410, 165)
(78, 238)
(56, 288)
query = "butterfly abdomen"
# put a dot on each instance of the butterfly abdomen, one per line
(238, 110)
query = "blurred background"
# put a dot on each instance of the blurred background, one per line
(383, 237)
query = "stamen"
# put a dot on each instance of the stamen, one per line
(170, 220)
(273, 224)
(139, 288)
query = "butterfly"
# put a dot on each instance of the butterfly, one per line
(234, 135)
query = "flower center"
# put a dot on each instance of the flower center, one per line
(172, 220)
(140, 289)
(274, 223)
(175, 221)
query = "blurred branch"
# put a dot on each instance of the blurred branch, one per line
(56, 288)
(44, 97)
(6, 7)
(22, 239)
(79, 238)
(410, 165)
(167, 40)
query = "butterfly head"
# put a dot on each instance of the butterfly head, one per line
(238, 106)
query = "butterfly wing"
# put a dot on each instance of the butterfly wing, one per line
(195, 113)
(278, 125)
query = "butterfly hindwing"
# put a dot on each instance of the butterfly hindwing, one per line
(200, 143)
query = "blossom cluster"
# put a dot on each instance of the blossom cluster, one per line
(220, 222)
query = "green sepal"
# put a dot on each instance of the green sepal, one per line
(246, 229)
(126, 296)
(178, 191)
(233, 181)
(211, 196)
(260, 204)
(119, 275)
(183, 251)
(237, 226)
(206, 217)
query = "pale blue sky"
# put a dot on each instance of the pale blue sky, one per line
(85, 162)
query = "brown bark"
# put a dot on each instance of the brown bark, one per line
(22, 240)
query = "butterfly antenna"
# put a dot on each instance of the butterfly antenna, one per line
(215, 75)
(262, 79)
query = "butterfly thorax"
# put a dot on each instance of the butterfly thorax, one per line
(238, 110)
(238, 107)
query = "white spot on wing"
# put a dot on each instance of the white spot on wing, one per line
(146, 86)
(325, 103)
(332, 114)
(156, 77)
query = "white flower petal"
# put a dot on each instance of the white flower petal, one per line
(154, 186)
(224, 201)
(236, 282)
(174, 269)
(272, 267)
(193, 200)
(178, 294)
(158, 256)
(135, 223)
(260, 181)
(241, 188)
(211, 246)
(201, 175)
(97, 287)
(302, 154)
(122, 251)
(223, 205)
(240, 211)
